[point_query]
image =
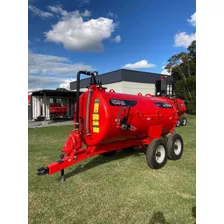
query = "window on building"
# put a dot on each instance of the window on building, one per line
(59, 101)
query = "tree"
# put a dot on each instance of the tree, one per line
(192, 49)
(61, 89)
(182, 67)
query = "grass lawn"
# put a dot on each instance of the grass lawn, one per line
(119, 189)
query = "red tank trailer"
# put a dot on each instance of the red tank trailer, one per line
(181, 110)
(57, 111)
(107, 121)
(180, 107)
(166, 89)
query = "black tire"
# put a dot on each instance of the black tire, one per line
(111, 153)
(156, 154)
(183, 121)
(178, 123)
(174, 146)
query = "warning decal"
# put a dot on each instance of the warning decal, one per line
(96, 107)
(95, 117)
(96, 128)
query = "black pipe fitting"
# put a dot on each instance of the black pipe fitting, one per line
(42, 171)
(93, 82)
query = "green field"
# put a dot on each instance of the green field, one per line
(119, 189)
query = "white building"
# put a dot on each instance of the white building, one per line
(39, 103)
(126, 81)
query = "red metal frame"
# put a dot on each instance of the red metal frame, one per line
(78, 154)
(92, 151)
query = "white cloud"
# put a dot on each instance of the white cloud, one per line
(79, 35)
(57, 9)
(117, 39)
(112, 15)
(45, 71)
(86, 13)
(192, 20)
(139, 64)
(165, 71)
(53, 65)
(183, 39)
(46, 82)
(40, 82)
(83, 2)
(66, 83)
(38, 12)
(33, 89)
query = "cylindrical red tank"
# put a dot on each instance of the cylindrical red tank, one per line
(109, 121)
(99, 115)
(179, 104)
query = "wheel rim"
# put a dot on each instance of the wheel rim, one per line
(177, 147)
(184, 121)
(160, 154)
(178, 123)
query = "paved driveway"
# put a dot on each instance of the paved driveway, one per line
(40, 124)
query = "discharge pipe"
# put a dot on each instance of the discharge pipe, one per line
(92, 82)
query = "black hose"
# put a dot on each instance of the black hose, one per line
(88, 110)
(93, 74)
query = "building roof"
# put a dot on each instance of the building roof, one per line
(52, 92)
(122, 75)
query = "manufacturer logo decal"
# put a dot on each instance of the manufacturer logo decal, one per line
(163, 105)
(120, 102)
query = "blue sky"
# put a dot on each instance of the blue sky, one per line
(67, 36)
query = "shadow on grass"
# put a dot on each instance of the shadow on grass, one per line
(100, 160)
(158, 218)
(194, 212)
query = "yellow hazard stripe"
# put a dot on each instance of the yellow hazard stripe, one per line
(96, 107)
(96, 123)
(96, 129)
(95, 116)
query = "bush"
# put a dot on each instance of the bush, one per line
(191, 107)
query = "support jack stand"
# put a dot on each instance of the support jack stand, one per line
(62, 180)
